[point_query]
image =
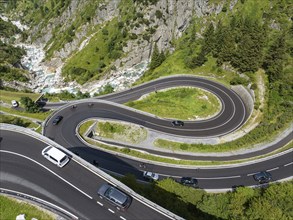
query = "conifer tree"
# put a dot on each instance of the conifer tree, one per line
(157, 58)
(209, 40)
(249, 52)
(273, 63)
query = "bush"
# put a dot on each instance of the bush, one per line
(237, 80)
(254, 86)
(159, 14)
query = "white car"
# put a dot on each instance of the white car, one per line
(14, 103)
(150, 176)
(55, 155)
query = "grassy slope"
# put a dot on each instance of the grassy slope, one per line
(95, 58)
(10, 208)
(181, 103)
(130, 133)
(8, 96)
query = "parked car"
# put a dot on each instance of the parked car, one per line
(189, 181)
(57, 119)
(150, 176)
(14, 103)
(262, 177)
(177, 123)
(55, 155)
(115, 196)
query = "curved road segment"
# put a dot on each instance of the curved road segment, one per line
(232, 116)
(73, 187)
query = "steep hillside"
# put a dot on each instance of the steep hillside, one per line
(97, 37)
(92, 39)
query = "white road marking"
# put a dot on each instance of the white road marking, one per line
(38, 199)
(111, 210)
(251, 174)
(273, 169)
(223, 177)
(101, 204)
(20, 155)
(288, 164)
(122, 217)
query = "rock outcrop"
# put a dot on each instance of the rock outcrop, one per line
(174, 20)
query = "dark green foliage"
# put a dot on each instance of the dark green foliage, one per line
(30, 105)
(225, 45)
(253, 86)
(273, 202)
(9, 73)
(65, 95)
(238, 80)
(105, 31)
(146, 2)
(249, 52)
(133, 36)
(14, 121)
(8, 29)
(106, 90)
(11, 4)
(80, 95)
(10, 54)
(224, 9)
(120, 25)
(146, 37)
(195, 61)
(275, 58)
(159, 14)
(208, 44)
(157, 58)
(78, 71)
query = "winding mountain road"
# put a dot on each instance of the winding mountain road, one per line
(231, 117)
(74, 188)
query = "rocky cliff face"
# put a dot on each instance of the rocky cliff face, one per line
(167, 20)
(175, 17)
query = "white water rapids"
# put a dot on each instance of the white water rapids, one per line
(46, 80)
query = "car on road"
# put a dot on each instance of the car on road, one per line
(57, 119)
(115, 196)
(262, 177)
(14, 103)
(150, 176)
(55, 155)
(177, 123)
(189, 181)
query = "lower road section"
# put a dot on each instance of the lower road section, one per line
(72, 188)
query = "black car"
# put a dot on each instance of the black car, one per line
(189, 181)
(57, 119)
(177, 123)
(262, 177)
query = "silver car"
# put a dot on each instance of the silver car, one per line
(150, 176)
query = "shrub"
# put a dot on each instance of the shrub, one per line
(159, 14)
(237, 80)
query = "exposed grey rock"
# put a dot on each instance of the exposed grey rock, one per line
(176, 17)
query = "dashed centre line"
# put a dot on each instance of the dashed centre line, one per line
(101, 204)
(223, 177)
(288, 164)
(111, 210)
(273, 169)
